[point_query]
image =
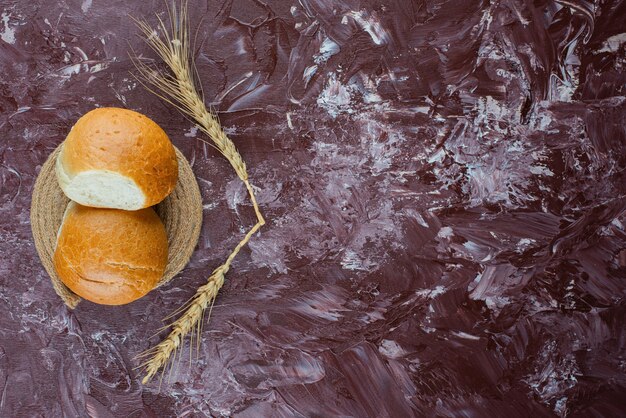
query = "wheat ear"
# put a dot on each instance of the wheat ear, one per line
(178, 88)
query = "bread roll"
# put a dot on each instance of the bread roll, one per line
(117, 158)
(110, 256)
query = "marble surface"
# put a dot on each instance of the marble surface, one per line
(444, 184)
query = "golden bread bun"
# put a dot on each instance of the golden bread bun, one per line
(117, 158)
(110, 256)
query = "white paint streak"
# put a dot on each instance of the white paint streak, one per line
(308, 73)
(445, 232)
(372, 26)
(539, 170)
(328, 48)
(465, 335)
(336, 97)
(391, 349)
(193, 132)
(353, 261)
(612, 44)
(8, 33)
(86, 5)
(431, 293)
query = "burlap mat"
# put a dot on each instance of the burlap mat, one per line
(181, 212)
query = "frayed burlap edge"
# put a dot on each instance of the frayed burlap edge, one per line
(181, 213)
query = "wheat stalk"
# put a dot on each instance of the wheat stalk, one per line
(177, 87)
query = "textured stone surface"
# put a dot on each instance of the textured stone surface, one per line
(444, 184)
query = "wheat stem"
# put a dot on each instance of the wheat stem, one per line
(178, 89)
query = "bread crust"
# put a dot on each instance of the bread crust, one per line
(110, 256)
(124, 142)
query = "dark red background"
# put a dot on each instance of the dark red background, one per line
(445, 199)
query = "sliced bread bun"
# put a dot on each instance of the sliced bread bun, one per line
(110, 256)
(117, 158)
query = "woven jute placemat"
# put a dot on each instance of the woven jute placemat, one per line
(181, 213)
